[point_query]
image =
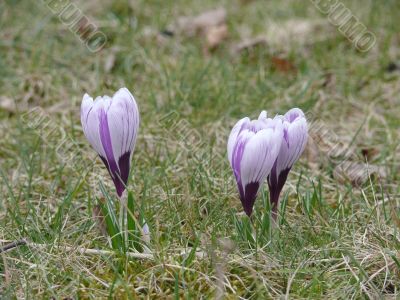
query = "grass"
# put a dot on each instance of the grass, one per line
(336, 240)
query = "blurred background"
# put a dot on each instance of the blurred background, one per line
(208, 63)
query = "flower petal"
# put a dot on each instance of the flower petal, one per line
(253, 148)
(259, 155)
(238, 151)
(105, 137)
(233, 137)
(90, 123)
(123, 116)
(295, 134)
(263, 116)
(295, 139)
(250, 192)
(111, 126)
(294, 114)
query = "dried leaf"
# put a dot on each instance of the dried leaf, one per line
(58, 107)
(357, 173)
(249, 44)
(369, 153)
(215, 36)
(210, 26)
(193, 25)
(283, 65)
(299, 31)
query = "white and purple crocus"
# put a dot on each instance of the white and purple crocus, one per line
(265, 148)
(295, 135)
(253, 147)
(111, 126)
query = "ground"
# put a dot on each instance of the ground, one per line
(338, 232)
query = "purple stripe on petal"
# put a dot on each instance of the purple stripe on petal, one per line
(250, 195)
(111, 165)
(272, 177)
(240, 188)
(119, 186)
(293, 116)
(105, 138)
(286, 135)
(87, 115)
(104, 160)
(124, 163)
(115, 178)
(237, 157)
(275, 184)
(120, 179)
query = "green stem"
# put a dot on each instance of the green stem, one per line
(123, 219)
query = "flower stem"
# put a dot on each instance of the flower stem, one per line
(123, 219)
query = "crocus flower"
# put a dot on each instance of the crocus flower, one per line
(253, 147)
(111, 126)
(295, 134)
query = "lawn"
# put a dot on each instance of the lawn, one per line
(337, 235)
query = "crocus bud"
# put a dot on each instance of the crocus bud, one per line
(111, 126)
(253, 147)
(295, 134)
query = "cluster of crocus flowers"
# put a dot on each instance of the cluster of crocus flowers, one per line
(265, 149)
(111, 126)
(257, 149)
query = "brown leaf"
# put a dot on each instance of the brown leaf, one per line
(215, 35)
(58, 107)
(193, 25)
(357, 173)
(283, 65)
(282, 35)
(369, 153)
